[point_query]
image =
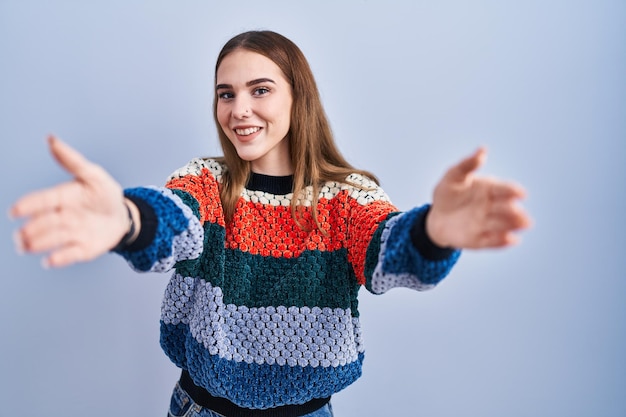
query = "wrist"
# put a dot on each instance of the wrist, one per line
(433, 230)
(422, 241)
(132, 231)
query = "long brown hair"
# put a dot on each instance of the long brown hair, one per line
(314, 155)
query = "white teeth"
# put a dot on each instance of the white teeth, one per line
(248, 131)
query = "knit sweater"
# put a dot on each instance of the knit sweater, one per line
(259, 310)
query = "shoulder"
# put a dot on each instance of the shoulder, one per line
(356, 186)
(361, 181)
(198, 167)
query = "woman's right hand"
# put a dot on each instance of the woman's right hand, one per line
(74, 221)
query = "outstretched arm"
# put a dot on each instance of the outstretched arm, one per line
(469, 211)
(74, 221)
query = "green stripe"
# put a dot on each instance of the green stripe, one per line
(210, 265)
(315, 278)
(191, 202)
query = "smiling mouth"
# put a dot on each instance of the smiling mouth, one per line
(247, 131)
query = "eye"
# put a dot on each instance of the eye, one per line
(261, 91)
(225, 95)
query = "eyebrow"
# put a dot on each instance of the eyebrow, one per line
(248, 84)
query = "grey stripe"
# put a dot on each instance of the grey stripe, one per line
(294, 336)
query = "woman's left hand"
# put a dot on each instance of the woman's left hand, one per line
(474, 212)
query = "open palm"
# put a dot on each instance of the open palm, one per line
(469, 211)
(74, 221)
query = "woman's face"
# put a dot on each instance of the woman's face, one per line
(254, 110)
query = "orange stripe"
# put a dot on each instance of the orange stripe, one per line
(364, 222)
(271, 231)
(204, 188)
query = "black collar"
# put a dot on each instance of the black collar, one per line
(270, 184)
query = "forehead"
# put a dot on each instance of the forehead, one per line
(242, 65)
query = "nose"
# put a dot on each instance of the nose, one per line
(241, 108)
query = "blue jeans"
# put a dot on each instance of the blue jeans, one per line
(182, 405)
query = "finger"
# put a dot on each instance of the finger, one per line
(46, 231)
(509, 215)
(70, 159)
(60, 196)
(505, 224)
(460, 171)
(65, 256)
(505, 190)
(497, 240)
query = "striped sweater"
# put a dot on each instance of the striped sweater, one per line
(260, 311)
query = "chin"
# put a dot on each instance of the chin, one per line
(247, 157)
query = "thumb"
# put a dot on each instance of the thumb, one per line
(70, 159)
(460, 171)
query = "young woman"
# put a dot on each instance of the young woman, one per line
(269, 244)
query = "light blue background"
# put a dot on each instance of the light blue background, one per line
(410, 87)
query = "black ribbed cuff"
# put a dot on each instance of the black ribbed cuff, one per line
(148, 225)
(421, 241)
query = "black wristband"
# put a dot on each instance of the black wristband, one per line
(123, 243)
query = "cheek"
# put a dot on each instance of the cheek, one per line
(223, 117)
(286, 124)
(285, 116)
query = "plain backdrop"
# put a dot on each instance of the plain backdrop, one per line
(410, 87)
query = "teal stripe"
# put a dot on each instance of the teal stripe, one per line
(210, 265)
(191, 202)
(315, 278)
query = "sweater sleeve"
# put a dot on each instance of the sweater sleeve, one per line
(400, 254)
(170, 232)
(175, 217)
